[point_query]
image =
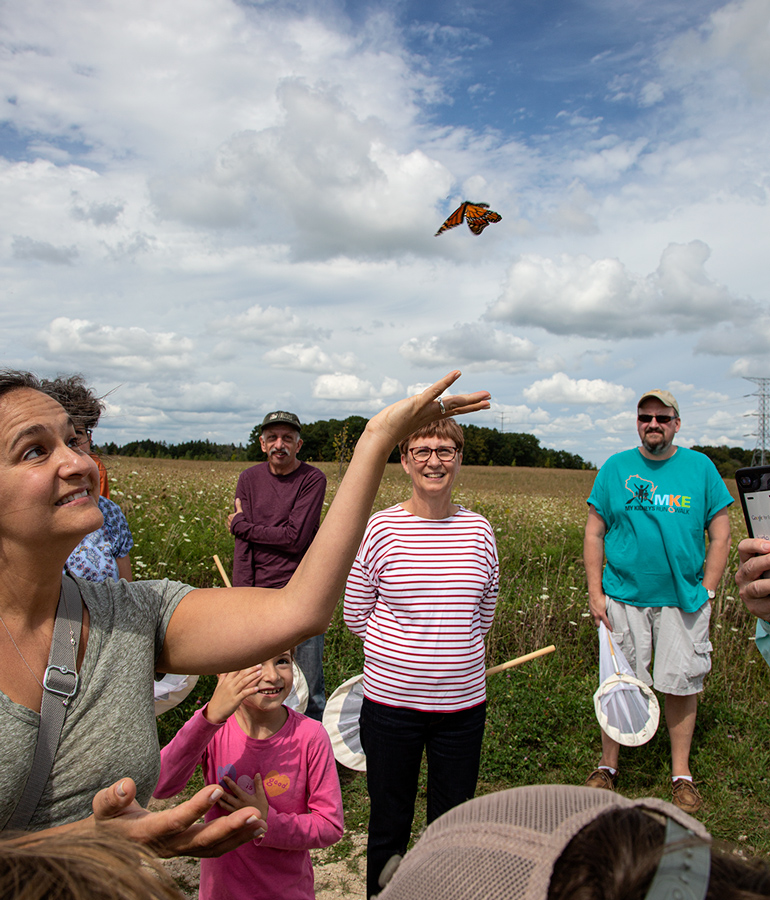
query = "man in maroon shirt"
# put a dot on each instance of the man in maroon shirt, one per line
(277, 512)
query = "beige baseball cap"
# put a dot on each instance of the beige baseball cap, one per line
(665, 397)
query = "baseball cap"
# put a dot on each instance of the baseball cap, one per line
(280, 417)
(503, 846)
(665, 397)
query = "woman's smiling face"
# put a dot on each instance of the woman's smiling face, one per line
(49, 487)
(434, 475)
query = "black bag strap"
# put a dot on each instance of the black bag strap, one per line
(60, 684)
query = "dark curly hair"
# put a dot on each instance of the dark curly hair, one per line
(14, 380)
(81, 403)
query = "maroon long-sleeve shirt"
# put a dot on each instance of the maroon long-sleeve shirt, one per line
(280, 518)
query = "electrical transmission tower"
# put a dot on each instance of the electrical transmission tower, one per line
(761, 450)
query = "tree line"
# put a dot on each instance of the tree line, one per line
(727, 459)
(332, 440)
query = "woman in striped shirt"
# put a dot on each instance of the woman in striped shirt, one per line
(421, 595)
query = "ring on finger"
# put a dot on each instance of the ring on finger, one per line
(441, 405)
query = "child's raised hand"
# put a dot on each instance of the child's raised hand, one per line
(238, 798)
(231, 690)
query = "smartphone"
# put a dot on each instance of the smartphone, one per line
(754, 489)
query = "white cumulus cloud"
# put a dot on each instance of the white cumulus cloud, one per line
(601, 298)
(476, 346)
(339, 386)
(560, 388)
(263, 324)
(310, 358)
(119, 349)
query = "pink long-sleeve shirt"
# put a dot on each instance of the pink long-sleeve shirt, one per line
(300, 779)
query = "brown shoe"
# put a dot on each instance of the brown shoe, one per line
(686, 796)
(603, 779)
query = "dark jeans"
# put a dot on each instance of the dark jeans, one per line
(393, 740)
(309, 657)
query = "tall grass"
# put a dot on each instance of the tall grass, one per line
(541, 724)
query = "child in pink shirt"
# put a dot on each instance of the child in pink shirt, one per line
(265, 755)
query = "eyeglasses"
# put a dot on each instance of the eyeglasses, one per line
(84, 437)
(661, 420)
(423, 454)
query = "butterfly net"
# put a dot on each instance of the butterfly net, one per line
(626, 707)
(170, 690)
(299, 694)
(340, 720)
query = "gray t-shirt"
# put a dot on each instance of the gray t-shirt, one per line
(109, 730)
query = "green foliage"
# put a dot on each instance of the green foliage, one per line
(343, 449)
(541, 725)
(318, 439)
(727, 459)
(320, 443)
(200, 450)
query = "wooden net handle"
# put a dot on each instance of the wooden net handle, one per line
(222, 571)
(520, 659)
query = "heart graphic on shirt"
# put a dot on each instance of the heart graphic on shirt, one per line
(275, 784)
(228, 770)
(246, 784)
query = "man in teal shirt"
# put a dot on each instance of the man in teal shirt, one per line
(648, 511)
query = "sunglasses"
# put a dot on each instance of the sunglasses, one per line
(661, 420)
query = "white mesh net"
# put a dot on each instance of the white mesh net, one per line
(627, 709)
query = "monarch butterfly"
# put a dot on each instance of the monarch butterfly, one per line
(477, 215)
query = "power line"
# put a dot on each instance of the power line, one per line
(761, 454)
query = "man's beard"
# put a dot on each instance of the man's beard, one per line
(656, 449)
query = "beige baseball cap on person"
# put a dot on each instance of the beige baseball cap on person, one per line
(504, 846)
(665, 397)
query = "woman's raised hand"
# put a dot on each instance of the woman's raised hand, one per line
(402, 418)
(176, 831)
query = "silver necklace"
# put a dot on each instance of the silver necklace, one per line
(72, 641)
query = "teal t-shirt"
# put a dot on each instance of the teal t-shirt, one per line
(656, 512)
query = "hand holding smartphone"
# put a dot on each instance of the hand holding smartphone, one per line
(754, 490)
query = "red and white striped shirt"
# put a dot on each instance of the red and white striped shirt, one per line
(421, 595)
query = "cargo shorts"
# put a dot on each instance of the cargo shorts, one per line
(675, 643)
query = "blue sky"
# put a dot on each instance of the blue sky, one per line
(214, 209)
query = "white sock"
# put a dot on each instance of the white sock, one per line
(681, 777)
(611, 770)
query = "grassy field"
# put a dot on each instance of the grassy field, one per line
(541, 725)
